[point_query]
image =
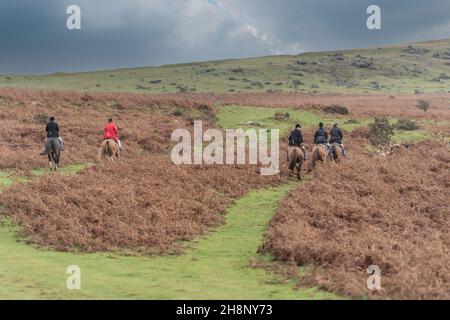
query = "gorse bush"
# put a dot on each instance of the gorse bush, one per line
(380, 132)
(423, 105)
(336, 109)
(407, 125)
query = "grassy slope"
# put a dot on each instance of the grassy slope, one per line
(394, 70)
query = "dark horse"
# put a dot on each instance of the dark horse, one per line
(53, 148)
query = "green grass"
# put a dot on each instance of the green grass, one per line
(410, 136)
(5, 180)
(232, 117)
(394, 71)
(69, 169)
(215, 267)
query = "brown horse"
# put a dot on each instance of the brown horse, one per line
(296, 159)
(109, 149)
(319, 153)
(337, 151)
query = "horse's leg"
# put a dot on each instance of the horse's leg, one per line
(50, 161)
(312, 163)
(299, 170)
(292, 165)
(291, 169)
(57, 154)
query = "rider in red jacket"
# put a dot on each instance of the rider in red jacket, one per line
(111, 132)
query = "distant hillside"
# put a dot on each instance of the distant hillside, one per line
(419, 67)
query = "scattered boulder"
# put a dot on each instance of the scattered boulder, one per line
(336, 56)
(419, 51)
(442, 55)
(237, 70)
(362, 62)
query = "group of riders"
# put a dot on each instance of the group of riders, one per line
(321, 137)
(110, 132)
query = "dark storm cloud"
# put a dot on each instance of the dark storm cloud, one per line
(119, 33)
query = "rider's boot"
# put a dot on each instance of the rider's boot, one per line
(61, 142)
(344, 151)
(44, 152)
(305, 154)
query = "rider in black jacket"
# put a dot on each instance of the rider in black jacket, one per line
(52, 130)
(337, 136)
(296, 139)
(321, 136)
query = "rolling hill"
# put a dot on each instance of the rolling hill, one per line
(410, 68)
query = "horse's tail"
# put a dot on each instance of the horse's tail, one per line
(108, 148)
(292, 160)
(314, 158)
(103, 151)
(337, 151)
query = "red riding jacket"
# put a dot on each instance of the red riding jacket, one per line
(111, 132)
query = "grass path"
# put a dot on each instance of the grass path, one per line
(215, 267)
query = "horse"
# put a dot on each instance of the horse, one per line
(296, 159)
(53, 146)
(336, 150)
(319, 153)
(110, 149)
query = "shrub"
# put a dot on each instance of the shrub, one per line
(423, 105)
(380, 132)
(283, 116)
(237, 70)
(177, 113)
(407, 125)
(336, 109)
(41, 118)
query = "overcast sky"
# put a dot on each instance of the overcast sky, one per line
(129, 33)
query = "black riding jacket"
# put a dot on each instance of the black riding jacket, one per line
(52, 130)
(321, 136)
(296, 138)
(336, 135)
